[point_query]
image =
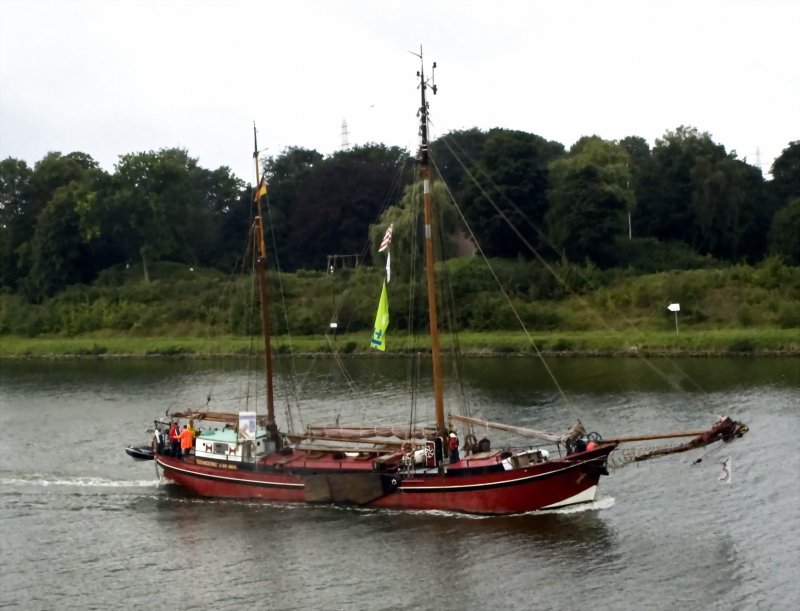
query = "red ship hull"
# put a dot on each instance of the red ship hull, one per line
(481, 486)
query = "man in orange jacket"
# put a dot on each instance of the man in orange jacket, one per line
(187, 440)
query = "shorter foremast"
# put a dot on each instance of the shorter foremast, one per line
(425, 175)
(261, 269)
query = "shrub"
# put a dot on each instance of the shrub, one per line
(562, 345)
(648, 255)
(540, 316)
(170, 351)
(742, 345)
(93, 350)
(746, 316)
(789, 315)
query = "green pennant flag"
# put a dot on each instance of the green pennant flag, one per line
(381, 322)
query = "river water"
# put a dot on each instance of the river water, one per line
(86, 527)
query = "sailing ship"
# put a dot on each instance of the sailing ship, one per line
(409, 467)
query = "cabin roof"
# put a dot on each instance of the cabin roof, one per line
(226, 435)
(207, 416)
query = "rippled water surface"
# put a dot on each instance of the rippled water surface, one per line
(84, 526)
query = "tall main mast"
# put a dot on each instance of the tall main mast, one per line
(425, 175)
(261, 270)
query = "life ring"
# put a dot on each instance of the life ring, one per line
(407, 447)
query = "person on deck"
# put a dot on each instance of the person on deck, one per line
(174, 440)
(158, 440)
(192, 429)
(452, 443)
(187, 440)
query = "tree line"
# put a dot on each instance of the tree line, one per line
(686, 202)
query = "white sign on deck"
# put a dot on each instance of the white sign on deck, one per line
(247, 425)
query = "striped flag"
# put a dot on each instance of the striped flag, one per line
(387, 238)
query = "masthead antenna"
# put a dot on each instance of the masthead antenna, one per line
(255, 140)
(423, 109)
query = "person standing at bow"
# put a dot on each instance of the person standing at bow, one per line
(174, 440)
(187, 440)
(452, 444)
(158, 440)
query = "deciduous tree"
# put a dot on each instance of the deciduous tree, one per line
(589, 200)
(784, 237)
(510, 192)
(14, 177)
(786, 173)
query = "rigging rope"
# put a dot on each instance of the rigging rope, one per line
(505, 293)
(447, 143)
(291, 390)
(226, 297)
(448, 306)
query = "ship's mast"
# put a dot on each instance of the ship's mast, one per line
(261, 270)
(425, 175)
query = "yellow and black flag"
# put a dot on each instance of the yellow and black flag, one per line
(261, 191)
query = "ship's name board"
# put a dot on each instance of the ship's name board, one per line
(211, 463)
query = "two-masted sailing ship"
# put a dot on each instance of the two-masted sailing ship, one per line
(246, 456)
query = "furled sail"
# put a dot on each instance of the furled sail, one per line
(575, 432)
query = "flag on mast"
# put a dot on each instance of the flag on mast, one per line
(262, 189)
(378, 341)
(387, 239)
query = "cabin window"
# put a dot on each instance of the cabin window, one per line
(220, 448)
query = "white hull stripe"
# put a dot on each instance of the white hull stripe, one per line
(505, 482)
(584, 497)
(235, 480)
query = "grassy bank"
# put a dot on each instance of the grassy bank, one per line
(737, 309)
(690, 343)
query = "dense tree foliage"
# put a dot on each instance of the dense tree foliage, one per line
(14, 177)
(688, 200)
(692, 190)
(785, 233)
(589, 200)
(786, 173)
(504, 193)
(407, 218)
(324, 206)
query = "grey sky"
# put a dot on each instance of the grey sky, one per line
(114, 77)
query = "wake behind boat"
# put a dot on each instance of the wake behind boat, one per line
(396, 466)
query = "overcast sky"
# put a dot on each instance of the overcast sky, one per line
(120, 76)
